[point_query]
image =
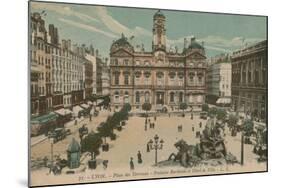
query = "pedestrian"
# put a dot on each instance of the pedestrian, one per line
(147, 147)
(200, 124)
(180, 128)
(153, 125)
(105, 164)
(145, 127)
(192, 128)
(132, 166)
(191, 116)
(155, 118)
(139, 157)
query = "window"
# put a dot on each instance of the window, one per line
(116, 81)
(199, 98)
(137, 97)
(147, 96)
(116, 97)
(160, 78)
(181, 97)
(126, 62)
(172, 77)
(190, 99)
(126, 97)
(172, 97)
(147, 78)
(126, 79)
(137, 75)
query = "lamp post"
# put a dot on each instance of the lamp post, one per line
(156, 145)
(51, 139)
(242, 138)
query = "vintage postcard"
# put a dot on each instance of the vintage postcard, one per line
(119, 93)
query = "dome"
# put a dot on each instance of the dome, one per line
(193, 46)
(73, 146)
(158, 14)
(121, 43)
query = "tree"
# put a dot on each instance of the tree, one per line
(183, 106)
(213, 111)
(127, 107)
(91, 143)
(104, 130)
(221, 114)
(232, 124)
(232, 120)
(205, 107)
(248, 127)
(147, 107)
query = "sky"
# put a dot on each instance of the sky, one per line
(100, 26)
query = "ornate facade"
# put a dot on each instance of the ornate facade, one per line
(218, 80)
(164, 79)
(249, 80)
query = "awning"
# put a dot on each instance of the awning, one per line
(223, 101)
(85, 106)
(77, 109)
(44, 119)
(63, 112)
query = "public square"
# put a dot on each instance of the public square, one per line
(134, 138)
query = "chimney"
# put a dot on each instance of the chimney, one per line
(69, 44)
(63, 44)
(184, 43)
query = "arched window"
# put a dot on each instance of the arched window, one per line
(160, 78)
(172, 97)
(137, 97)
(147, 78)
(126, 97)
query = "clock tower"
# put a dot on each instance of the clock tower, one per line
(159, 32)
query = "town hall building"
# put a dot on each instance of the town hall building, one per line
(160, 77)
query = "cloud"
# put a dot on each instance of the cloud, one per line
(217, 43)
(63, 10)
(87, 27)
(116, 27)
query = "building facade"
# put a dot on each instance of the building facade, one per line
(41, 84)
(99, 66)
(164, 79)
(61, 74)
(105, 79)
(219, 80)
(249, 80)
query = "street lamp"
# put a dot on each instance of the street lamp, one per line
(51, 139)
(156, 145)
